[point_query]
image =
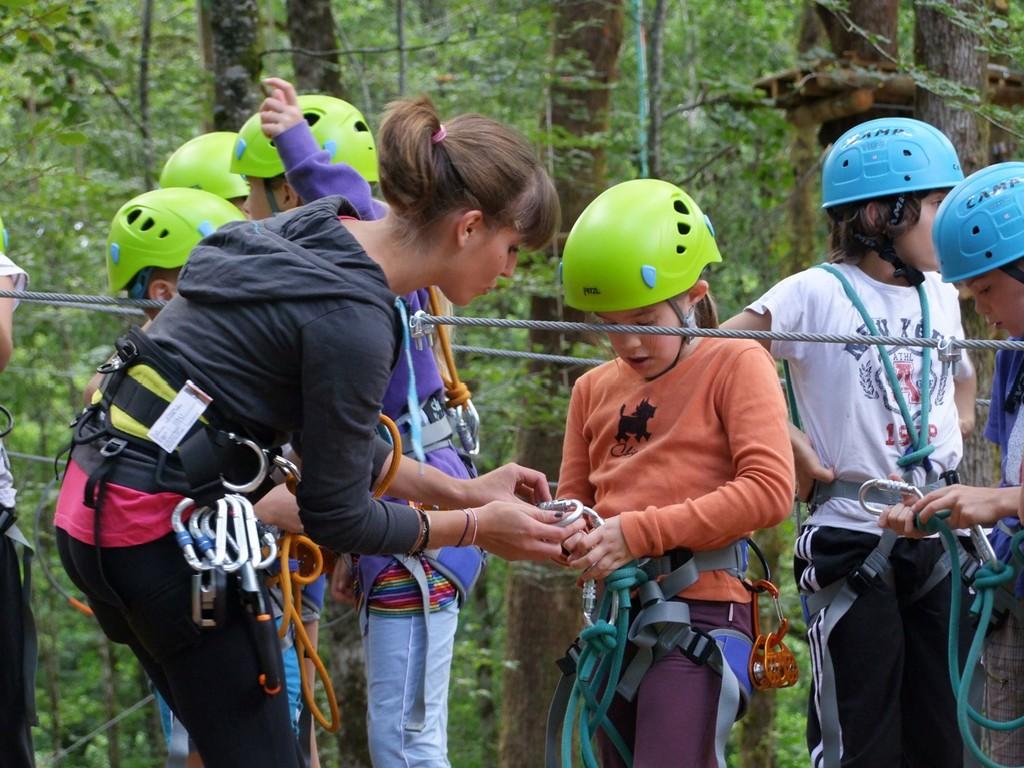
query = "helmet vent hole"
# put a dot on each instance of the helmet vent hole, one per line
(680, 207)
(133, 215)
(164, 233)
(360, 126)
(148, 224)
(680, 249)
(988, 254)
(846, 163)
(907, 153)
(906, 178)
(311, 117)
(975, 231)
(683, 227)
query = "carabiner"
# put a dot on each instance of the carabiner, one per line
(261, 472)
(895, 487)
(572, 508)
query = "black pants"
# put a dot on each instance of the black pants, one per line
(896, 704)
(209, 677)
(15, 736)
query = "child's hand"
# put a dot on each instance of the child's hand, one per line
(600, 551)
(280, 110)
(807, 464)
(343, 582)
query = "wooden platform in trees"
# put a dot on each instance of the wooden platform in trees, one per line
(831, 89)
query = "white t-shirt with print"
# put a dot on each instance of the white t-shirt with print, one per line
(7, 493)
(843, 394)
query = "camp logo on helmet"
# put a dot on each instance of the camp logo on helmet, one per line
(994, 190)
(874, 134)
(591, 290)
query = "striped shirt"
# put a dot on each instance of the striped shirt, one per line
(396, 593)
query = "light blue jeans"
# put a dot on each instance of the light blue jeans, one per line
(396, 649)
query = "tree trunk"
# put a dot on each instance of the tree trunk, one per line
(146, 23)
(866, 30)
(205, 35)
(951, 51)
(235, 39)
(657, 67)
(314, 42)
(588, 35)
(348, 673)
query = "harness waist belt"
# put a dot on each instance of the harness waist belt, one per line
(850, 489)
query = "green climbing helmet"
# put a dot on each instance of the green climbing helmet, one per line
(205, 163)
(160, 229)
(636, 244)
(337, 126)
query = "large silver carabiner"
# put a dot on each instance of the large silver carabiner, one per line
(262, 467)
(982, 546)
(574, 509)
(897, 488)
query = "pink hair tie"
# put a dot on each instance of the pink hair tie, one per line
(439, 135)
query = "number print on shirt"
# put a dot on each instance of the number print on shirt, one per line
(891, 431)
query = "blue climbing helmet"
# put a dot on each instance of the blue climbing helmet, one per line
(980, 225)
(888, 156)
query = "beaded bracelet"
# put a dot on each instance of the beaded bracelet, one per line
(423, 540)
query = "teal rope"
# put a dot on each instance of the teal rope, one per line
(921, 448)
(990, 577)
(794, 412)
(598, 670)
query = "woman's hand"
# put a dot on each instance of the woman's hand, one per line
(807, 464)
(280, 110)
(519, 531)
(600, 551)
(280, 509)
(510, 483)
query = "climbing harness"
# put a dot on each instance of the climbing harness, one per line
(462, 417)
(594, 669)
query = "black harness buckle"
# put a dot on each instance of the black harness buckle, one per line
(699, 646)
(113, 447)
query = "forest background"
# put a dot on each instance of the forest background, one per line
(97, 94)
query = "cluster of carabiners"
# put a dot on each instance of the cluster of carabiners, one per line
(226, 538)
(572, 511)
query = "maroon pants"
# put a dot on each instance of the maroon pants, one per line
(671, 722)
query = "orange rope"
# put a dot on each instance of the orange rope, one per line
(312, 566)
(455, 390)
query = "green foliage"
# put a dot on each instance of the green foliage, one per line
(71, 152)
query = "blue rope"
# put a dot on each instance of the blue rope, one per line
(989, 578)
(411, 396)
(920, 447)
(598, 670)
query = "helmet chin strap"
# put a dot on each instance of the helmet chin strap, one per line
(685, 321)
(886, 249)
(1013, 271)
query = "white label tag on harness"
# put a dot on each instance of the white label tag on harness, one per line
(179, 416)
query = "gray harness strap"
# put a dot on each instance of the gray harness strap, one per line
(835, 601)
(30, 652)
(850, 489)
(418, 715)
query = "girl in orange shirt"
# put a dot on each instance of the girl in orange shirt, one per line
(680, 444)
